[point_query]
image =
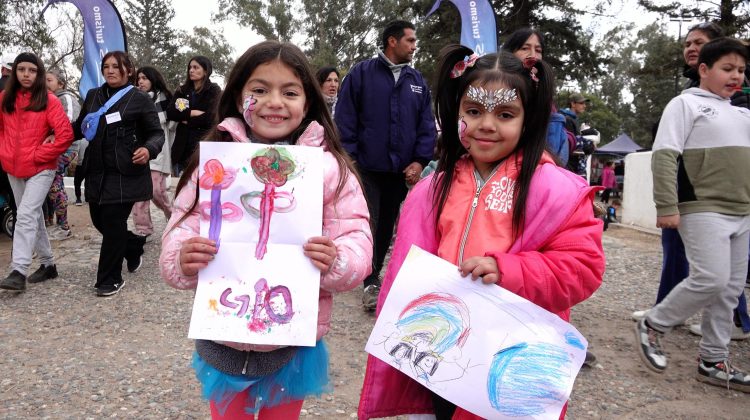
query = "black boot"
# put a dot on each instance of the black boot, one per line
(15, 282)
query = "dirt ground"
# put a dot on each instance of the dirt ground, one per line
(66, 354)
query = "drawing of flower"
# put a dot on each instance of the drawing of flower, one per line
(216, 178)
(273, 167)
(270, 167)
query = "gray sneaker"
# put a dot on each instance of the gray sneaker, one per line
(723, 374)
(370, 297)
(647, 342)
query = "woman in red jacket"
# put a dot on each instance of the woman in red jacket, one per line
(34, 131)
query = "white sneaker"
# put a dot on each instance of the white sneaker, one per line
(61, 234)
(737, 333)
(638, 315)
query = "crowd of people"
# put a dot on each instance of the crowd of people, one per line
(132, 134)
(482, 170)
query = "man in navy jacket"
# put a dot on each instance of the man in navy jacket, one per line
(385, 118)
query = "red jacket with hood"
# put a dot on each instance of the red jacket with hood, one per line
(23, 152)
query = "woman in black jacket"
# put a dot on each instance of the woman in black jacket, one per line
(116, 165)
(193, 107)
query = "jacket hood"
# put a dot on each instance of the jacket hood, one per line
(314, 135)
(569, 112)
(703, 93)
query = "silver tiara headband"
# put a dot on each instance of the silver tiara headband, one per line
(491, 98)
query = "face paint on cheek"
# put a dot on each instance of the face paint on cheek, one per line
(491, 98)
(248, 106)
(462, 133)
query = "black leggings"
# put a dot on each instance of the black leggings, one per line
(444, 409)
(78, 177)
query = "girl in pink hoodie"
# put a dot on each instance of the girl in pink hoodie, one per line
(272, 97)
(497, 206)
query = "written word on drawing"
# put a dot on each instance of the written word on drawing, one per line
(272, 306)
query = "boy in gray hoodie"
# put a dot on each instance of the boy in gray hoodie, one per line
(701, 173)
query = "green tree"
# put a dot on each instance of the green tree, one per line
(640, 73)
(273, 19)
(654, 80)
(341, 32)
(212, 44)
(152, 41)
(58, 42)
(21, 28)
(732, 15)
(337, 32)
(569, 49)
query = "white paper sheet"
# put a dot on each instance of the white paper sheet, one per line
(479, 346)
(252, 294)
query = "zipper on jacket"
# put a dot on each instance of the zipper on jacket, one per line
(474, 203)
(247, 360)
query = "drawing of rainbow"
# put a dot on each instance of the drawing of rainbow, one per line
(442, 316)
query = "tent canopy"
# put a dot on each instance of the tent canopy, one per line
(622, 145)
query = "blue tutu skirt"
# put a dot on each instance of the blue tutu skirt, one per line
(306, 374)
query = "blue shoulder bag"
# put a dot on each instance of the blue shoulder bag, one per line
(91, 121)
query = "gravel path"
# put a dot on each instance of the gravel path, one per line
(67, 354)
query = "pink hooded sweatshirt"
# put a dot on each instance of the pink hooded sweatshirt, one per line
(557, 262)
(346, 221)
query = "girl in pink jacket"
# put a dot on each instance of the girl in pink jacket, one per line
(609, 181)
(497, 206)
(272, 97)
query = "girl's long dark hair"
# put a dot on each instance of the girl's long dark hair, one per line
(317, 110)
(38, 89)
(536, 98)
(204, 62)
(518, 37)
(158, 84)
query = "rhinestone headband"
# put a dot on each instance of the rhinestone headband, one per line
(491, 98)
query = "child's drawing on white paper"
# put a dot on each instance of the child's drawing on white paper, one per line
(260, 288)
(479, 346)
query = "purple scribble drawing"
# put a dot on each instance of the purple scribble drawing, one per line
(273, 167)
(216, 178)
(273, 306)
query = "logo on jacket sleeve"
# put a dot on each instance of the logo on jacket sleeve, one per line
(500, 199)
(416, 89)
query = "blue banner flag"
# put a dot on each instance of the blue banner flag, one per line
(478, 30)
(103, 32)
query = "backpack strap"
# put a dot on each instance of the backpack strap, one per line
(113, 100)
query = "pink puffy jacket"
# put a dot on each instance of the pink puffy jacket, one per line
(557, 263)
(23, 152)
(346, 221)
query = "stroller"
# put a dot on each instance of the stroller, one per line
(7, 206)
